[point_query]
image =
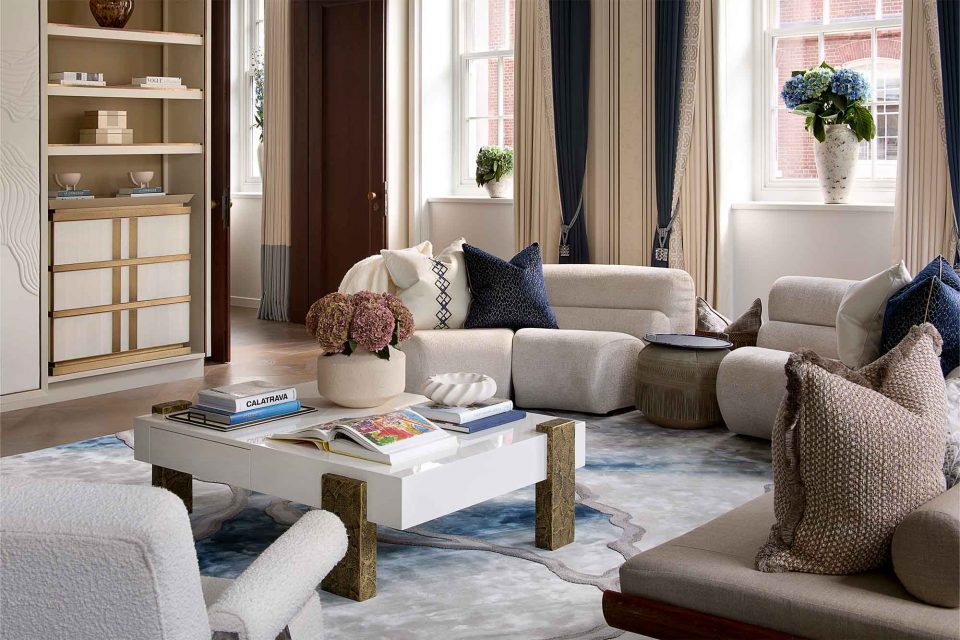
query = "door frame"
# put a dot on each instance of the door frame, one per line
(220, 202)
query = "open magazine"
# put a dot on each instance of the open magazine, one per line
(398, 437)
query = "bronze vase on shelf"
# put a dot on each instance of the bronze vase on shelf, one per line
(111, 13)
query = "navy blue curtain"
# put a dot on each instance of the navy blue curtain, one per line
(668, 48)
(570, 54)
(948, 16)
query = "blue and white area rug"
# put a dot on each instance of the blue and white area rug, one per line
(477, 573)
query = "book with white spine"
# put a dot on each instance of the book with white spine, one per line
(244, 396)
(157, 80)
(74, 76)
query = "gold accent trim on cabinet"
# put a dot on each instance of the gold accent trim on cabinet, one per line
(132, 249)
(116, 320)
(107, 213)
(105, 308)
(117, 359)
(126, 262)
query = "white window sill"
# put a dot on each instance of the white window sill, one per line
(814, 207)
(246, 195)
(472, 199)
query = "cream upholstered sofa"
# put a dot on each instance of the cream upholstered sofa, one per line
(91, 562)
(751, 381)
(589, 363)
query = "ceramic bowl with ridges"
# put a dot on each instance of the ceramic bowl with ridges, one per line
(459, 389)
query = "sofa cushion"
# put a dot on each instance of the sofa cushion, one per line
(450, 351)
(926, 550)
(371, 274)
(854, 452)
(710, 569)
(751, 384)
(434, 288)
(793, 336)
(860, 316)
(593, 371)
(934, 297)
(806, 300)
(742, 332)
(508, 295)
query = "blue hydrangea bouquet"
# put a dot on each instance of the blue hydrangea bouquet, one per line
(825, 95)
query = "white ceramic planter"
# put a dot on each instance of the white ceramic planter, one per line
(361, 380)
(500, 188)
(836, 159)
(459, 389)
(260, 159)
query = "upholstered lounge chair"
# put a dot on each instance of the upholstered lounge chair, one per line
(97, 562)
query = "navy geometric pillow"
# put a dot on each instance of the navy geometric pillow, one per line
(507, 295)
(934, 297)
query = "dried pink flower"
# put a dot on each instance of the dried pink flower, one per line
(401, 313)
(328, 320)
(372, 324)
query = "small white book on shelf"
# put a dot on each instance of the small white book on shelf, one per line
(244, 396)
(462, 415)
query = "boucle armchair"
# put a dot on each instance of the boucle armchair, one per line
(117, 561)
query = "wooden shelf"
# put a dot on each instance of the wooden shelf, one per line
(146, 149)
(103, 34)
(124, 92)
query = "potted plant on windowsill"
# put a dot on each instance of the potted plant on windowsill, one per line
(495, 170)
(832, 101)
(359, 334)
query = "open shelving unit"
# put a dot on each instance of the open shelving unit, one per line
(128, 277)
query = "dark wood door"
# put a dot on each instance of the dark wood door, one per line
(220, 181)
(339, 162)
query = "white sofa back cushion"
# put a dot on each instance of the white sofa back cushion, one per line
(803, 314)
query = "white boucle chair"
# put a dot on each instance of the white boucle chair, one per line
(84, 561)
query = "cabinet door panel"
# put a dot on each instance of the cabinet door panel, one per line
(83, 336)
(163, 280)
(82, 241)
(163, 236)
(88, 288)
(163, 325)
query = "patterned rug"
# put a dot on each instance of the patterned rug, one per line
(477, 573)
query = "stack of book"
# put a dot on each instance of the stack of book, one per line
(136, 192)
(237, 404)
(78, 79)
(473, 418)
(158, 82)
(105, 127)
(71, 194)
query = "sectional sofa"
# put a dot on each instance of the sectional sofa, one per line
(590, 363)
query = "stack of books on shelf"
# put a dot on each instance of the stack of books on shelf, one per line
(71, 194)
(235, 405)
(105, 127)
(158, 82)
(398, 438)
(78, 79)
(473, 418)
(136, 192)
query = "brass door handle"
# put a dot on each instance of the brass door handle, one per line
(371, 196)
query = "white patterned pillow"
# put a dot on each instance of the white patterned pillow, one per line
(433, 288)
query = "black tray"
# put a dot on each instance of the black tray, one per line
(686, 341)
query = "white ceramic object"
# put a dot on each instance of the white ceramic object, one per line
(459, 389)
(141, 179)
(67, 181)
(836, 159)
(361, 380)
(260, 159)
(500, 188)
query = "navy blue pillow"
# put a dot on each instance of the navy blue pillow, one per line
(507, 295)
(934, 297)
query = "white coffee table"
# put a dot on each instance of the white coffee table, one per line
(540, 450)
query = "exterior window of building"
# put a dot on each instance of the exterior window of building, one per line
(485, 79)
(864, 35)
(253, 48)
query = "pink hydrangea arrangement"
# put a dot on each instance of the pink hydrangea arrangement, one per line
(374, 322)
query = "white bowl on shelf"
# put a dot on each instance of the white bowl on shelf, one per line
(459, 389)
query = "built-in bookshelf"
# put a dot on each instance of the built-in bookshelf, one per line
(127, 277)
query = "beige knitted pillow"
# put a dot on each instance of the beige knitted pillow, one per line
(854, 452)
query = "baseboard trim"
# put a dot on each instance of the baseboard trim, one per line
(240, 301)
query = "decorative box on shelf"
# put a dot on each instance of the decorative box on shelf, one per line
(120, 281)
(104, 120)
(106, 136)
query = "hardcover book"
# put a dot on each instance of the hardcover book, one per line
(221, 417)
(482, 424)
(461, 415)
(76, 76)
(244, 396)
(156, 80)
(396, 438)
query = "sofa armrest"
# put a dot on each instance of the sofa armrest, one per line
(278, 585)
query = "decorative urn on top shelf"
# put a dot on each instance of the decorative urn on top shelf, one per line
(495, 171)
(111, 13)
(360, 366)
(832, 102)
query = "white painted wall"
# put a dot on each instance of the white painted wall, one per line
(483, 222)
(246, 219)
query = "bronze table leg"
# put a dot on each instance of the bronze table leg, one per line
(556, 519)
(177, 482)
(355, 576)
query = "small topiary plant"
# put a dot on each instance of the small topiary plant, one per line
(493, 163)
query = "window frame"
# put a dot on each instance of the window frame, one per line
(465, 176)
(249, 181)
(767, 103)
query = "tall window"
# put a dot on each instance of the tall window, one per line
(485, 74)
(864, 35)
(253, 48)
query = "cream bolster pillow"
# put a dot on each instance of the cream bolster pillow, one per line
(860, 315)
(926, 550)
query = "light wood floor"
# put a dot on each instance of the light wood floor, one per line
(275, 351)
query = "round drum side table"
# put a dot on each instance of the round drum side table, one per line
(677, 380)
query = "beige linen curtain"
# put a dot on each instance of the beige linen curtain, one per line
(923, 220)
(536, 188)
(275, 249)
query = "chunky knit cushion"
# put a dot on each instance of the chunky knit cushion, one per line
(854, 452)
(742, 332)
(507, 295)
(934, 297)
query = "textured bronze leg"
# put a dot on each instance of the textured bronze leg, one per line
(177, 482)
(355, 576)
(556, 520)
